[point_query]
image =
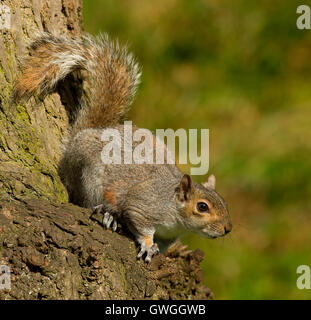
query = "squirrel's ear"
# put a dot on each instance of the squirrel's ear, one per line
(210, 183)
(185, 188)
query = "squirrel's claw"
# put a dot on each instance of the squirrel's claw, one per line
(108, 220)
(114, 225)
(150, 251)
(98, 209)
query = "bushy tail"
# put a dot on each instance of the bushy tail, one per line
(113, 72)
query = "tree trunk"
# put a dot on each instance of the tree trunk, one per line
(55, 250)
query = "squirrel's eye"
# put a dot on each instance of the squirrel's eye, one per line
(202, 207)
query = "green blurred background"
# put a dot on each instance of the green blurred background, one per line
(242, 69)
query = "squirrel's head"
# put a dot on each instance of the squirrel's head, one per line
(203, 209)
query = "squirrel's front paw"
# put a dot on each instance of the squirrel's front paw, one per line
(110, 221)
(150, 251)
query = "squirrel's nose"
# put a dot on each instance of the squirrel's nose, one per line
(228, 227)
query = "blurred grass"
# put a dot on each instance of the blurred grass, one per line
(242, 69)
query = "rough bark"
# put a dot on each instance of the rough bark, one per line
(55, 250)
(31, 133)
(60, 251)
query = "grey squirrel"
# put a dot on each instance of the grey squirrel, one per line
(151, 200)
